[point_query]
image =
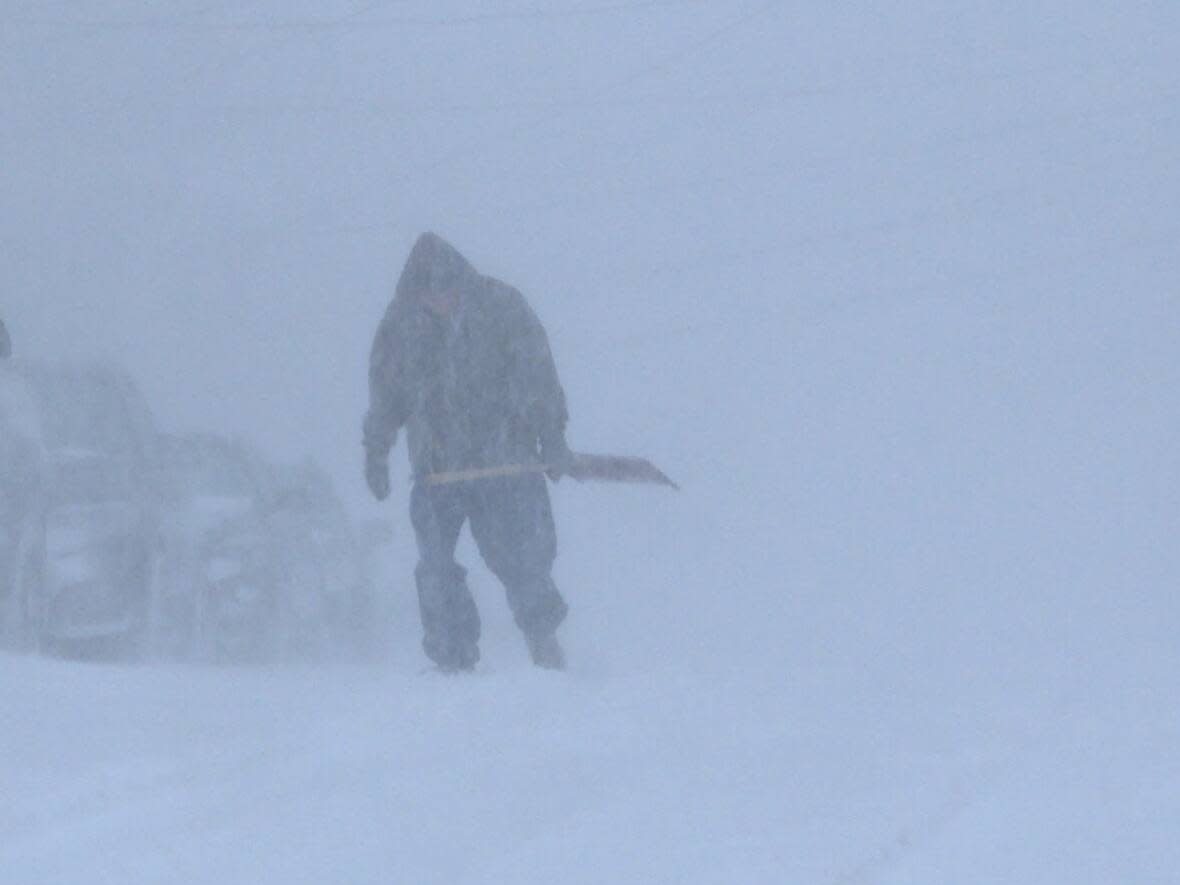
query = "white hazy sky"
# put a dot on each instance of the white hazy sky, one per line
(219, 195)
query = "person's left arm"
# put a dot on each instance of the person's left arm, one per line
(543, 405)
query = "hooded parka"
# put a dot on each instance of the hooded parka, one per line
(462, 362)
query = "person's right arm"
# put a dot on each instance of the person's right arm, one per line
(388, 403)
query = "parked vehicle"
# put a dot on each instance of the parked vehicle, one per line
(322, 561)
(217, 599)
(80, 538)
(188, 547)
(21, 468)
(260, 562)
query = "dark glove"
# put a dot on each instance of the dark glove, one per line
(559, 460)
(377, 475)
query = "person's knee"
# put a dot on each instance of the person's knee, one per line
(537, 606)
(440, 578)
(526, 556)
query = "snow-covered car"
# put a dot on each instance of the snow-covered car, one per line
(260, 562)
(322, 562)
(216, 598)
(21, 468)
(80, 538)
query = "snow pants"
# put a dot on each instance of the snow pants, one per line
(512, 524)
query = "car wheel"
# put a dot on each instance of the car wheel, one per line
(24, 604)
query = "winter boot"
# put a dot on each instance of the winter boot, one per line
(546, 651)
(452, 657)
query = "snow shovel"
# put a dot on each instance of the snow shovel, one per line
(601, 468)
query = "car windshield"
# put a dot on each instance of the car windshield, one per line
(82, 478)
(203, 473)
(85, 411)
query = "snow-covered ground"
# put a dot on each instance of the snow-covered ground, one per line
(893, 294)
(823, 772)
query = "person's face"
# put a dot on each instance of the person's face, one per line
(442, 304)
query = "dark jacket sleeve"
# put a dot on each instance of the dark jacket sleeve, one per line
(388, 396)
(540, 398)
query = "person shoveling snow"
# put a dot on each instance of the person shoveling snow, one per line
(462, 362)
